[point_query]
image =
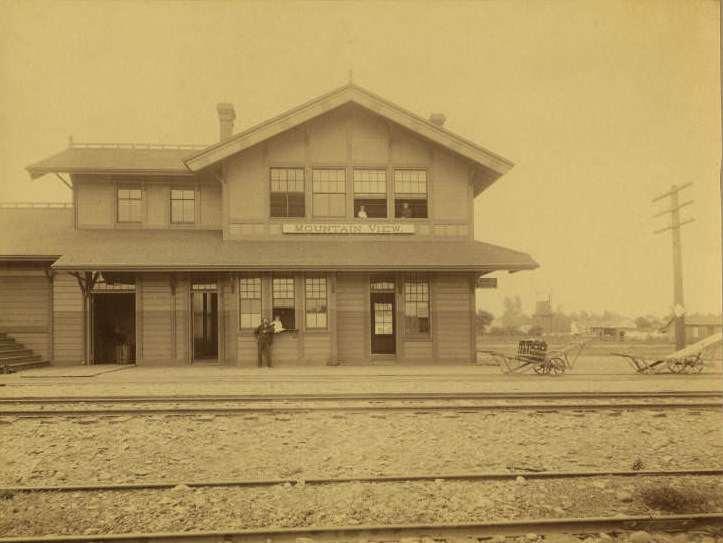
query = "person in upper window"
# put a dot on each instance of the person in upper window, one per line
(362, 213)
(406, 212)
(277, 324)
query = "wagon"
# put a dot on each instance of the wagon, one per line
(688, 360)
(533, 355)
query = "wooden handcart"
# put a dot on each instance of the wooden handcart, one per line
(688, 360)
(533, 355)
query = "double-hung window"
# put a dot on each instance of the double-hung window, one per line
(249, 302)
(129, 201)
(283, 301)
(329, 192)
(287, 192)
(416, 305)
(410, 194)
(316, 306)
(183, 206)
(370, 193)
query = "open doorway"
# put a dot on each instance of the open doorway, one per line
(114, 327)
(205, 325)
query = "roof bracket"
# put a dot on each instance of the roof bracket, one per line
(66, 183)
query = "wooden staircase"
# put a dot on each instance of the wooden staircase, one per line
(15, 357)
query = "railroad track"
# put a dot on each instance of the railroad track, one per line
(418, 403)
(442, 533)
(497, 476)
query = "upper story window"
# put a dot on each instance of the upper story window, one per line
(283, 301)
(287, 192)
(410, 194)
(370, 194)
(130, 199)
(183, 206)
(329, 192)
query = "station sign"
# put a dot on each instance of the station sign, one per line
(347, 228)
(486, 282)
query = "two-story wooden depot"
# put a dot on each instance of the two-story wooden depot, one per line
(348, 217)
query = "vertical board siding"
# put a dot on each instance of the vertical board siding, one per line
(317, 349)
(159, 203)
(418, 351)
(183, 326)
(67, 320)
(95, 204)
(210, 202)
(351, 315)
(451, 317)
(451, 189)
(157, 303)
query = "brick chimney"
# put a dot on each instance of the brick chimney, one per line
(438, 119)
(226, 116)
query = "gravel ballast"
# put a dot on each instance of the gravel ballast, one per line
(118, 449)
(346, 504)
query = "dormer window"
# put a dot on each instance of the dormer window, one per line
(129, 202)
(410, 194)
(183, 206)
(287, 192)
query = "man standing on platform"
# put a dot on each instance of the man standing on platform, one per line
(264, 334)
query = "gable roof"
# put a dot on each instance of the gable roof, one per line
(494, 165)
(116, 158)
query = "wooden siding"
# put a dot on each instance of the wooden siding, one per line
(67, 320)
(25, 309)
(285, 349)
(247, 351)
(451, 190)
(210, 202)
(182, 311)
(158, 198)
(352, 302)
(95, 204)
(451, 318)
(417, 351)
(317, 349)
(156, 322)
(348, 137)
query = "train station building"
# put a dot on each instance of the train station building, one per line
(348, 217)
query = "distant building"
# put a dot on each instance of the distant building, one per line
(697, 327)
(542, 318)
(610, 330)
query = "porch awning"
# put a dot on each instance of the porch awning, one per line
(198, 251)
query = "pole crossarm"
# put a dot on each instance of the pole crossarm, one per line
(671, 227)
(672, 209)
(674, 189)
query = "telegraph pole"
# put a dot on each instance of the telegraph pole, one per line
(675, 225)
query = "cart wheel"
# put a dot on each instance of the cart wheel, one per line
(540, 369)
(556, 366)
(676, 366)
(693, 365)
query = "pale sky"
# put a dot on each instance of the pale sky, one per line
(601, 105)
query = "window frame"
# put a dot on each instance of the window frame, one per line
(410, 297)
(287, 192)
(129, 187)
(325, 301)
(258, 286)
(373, 198)
(285, 309)
(182, 199)
(411, 197)
(314, 193)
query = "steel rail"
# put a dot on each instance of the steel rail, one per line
(417, 409)
(439, 531)
(492, 476)
(365, 396)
